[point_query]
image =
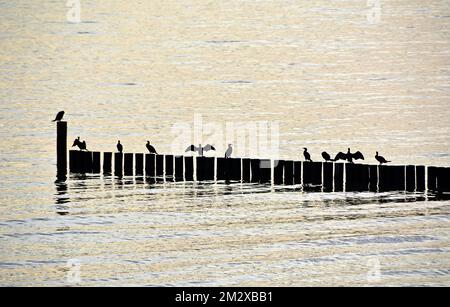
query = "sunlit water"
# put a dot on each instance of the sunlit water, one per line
(132, 69)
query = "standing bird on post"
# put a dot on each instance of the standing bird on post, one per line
(200, 149)
(307, 155)
(326, 156)
(76, 142)
(150, 148)
(381, 159)
(229, 151)
(59, 117)
(119, 147)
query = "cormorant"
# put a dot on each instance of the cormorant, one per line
(200, 149)
(381, 159)
(59, 117)
(150, 148)
(229, 151)
(119, 147)
(83, 145)
(349, 156)
(307, 155)
(76, 142)
(326, 156)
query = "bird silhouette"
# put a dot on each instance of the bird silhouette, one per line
(307, 155)
(59, 117)
(76, 142)
(349, 156)
(200, 149)
(326, 156)
(229, 151)
(82, 145)
(119, 147)
(150, 148)
(381, 159)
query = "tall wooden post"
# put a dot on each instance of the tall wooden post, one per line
(61, 149)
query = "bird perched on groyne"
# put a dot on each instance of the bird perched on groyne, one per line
(326, 156)
(81, 145)
(200, 149)
(59, 116)
(119, 147)
(349, 156)
(229, 151)
(381, 159)
(150, 148)
(306, 154)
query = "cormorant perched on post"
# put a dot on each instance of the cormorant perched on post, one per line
(307, 155)
(349, 156)
(82, 145)
(200, 149)
(229, 151)
(381, 159)
(59, 117)
(326, 156)
(150, 148)
(76, 142)
(119, 147)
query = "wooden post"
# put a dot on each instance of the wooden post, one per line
(420, 178)
(338, 177)
(179, 175)
(189, 168)
(221, 169)
(443, 182)
(75, 161)
(399, 178)
(386, 178)
(327, 177)
(128, 164)
(265, 170)
(289, 172)
(234, 170)
(86, 162)
(208, 172)
(312, 173)
(297, 172)
(160, 166)
(107, 163)
(118, 164)
(278, 168)
(169, 168)
(200, 168)
(357, 177)
(61, 149)
(246, 171)
(373, 178)
(139, 164)
(432, 178)
(255, 170)
(150, 165)
(410, 178)
(96, 168)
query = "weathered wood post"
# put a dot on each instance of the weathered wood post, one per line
(420, 178)
(86, 162)
(265, 171)
(410, 178)
(246, 171)
(128, 164)
(297, 172)
(61, 149)
(96, 162)
(278, 169)
(179, 175)
(107, 163)
(289, 172)
(118, 164)
(338, 177)
(75, 161)
(327, 177)
(255, 170)
(443, 182)
(189, 168)
(169, 167)
(373, 178)
(200, 168)
(139, 164)
(221, 169)
(208, 172)
(160, 166)
(150, 165)
(312, 173)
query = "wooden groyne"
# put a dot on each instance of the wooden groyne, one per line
(324, 176)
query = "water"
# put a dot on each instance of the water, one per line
(131, 70)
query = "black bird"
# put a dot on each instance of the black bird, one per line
(200, 149)
(59, 117)
(349, 156)
(82, 145)
(150, 148)
(76, 142)
(381, 159)
(307, 155)
(326, 156)
(119, 147)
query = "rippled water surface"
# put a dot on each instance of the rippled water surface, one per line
(329, 75)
